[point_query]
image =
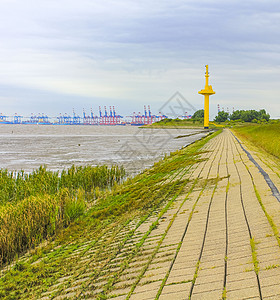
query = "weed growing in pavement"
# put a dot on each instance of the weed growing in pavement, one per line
(272, 267)
(196, 272)
(248, 270)
(179, 282)
(254, 255)
(149, 281)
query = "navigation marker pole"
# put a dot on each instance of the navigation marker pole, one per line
(206, 92)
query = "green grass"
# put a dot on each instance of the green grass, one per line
(178, 123)
(266, 136)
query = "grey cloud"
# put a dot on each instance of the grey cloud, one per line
(133, 46)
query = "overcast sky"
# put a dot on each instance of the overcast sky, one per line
(56, 55)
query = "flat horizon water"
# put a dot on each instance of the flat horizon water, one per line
(26, 147)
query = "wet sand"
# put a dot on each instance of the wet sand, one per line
(26, 147)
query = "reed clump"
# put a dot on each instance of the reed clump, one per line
(18, 186)
(35, 206)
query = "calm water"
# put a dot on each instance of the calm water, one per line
(26, 147)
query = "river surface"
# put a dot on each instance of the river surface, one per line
(26, 147)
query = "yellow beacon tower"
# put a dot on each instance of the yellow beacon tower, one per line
(206, 92)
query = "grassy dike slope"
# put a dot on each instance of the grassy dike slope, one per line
(266, 136)
(176, 123)
(96, 238)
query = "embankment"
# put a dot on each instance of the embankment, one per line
(266, 136)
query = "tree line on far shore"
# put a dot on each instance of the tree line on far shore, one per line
(238, 115)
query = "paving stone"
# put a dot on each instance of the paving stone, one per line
(174, 296)
(272, 290)
(209, 295)
(274, 297)
(183, 274)
(66, 296)
(147, 287)
(124, 283)
(154, 276)
(119, 291)
(245, 293)
(79, 281)
(173, 289)
(242, 284)
(48, 293)
(145, 294)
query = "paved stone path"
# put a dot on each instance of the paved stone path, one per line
(218, 239)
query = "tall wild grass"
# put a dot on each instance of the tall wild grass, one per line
(266, 136)
(35, 206)
(18, 186)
